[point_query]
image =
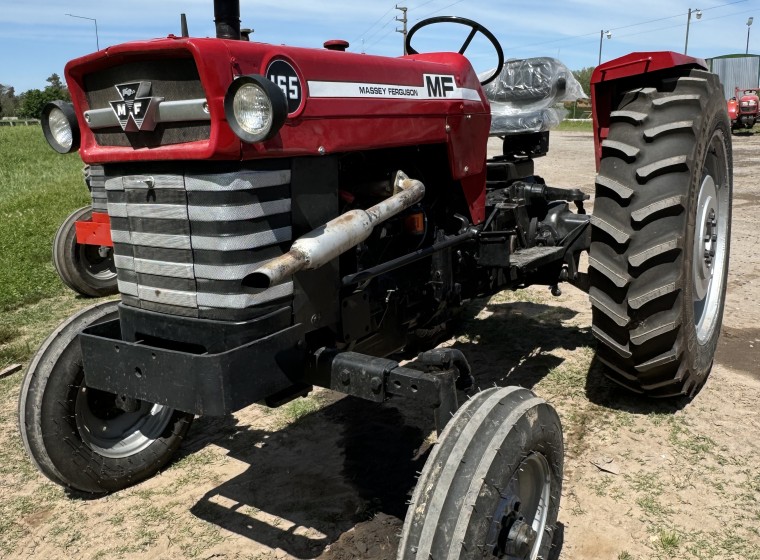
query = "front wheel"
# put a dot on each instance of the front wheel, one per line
(491, 487)
(86, 269)
(660, 235)
(83, 438)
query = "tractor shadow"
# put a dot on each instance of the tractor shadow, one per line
(353, 463)
(513, 343)
(603, 392)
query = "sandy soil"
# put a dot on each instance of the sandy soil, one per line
(329, 477)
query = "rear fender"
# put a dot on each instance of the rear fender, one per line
(639, 69)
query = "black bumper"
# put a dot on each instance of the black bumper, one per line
(208, 383)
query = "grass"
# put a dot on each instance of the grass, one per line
(38, 189)
(575, 126)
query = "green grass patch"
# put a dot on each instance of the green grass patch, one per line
(297, 409)
(38, 189)
(576, 126)
(668, 542)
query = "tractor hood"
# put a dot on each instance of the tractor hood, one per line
(164, 100)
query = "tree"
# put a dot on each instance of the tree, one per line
(584, 77)
(8, 101)
(32, 102)
(55, 81)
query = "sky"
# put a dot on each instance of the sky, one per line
(37, 38)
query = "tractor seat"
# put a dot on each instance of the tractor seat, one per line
(525, 97)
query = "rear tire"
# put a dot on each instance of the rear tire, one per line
(83, 268)
(491, 487)
(660, 235)
(76, 436)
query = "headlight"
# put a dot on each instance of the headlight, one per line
(745, 103)
(255, 108)
(59, 123)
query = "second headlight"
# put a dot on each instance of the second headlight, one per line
(255, 108)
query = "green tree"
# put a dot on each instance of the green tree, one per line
(55, 81)
(584, 77)
(8, 101)
(32, 102)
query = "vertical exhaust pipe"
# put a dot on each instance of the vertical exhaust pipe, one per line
(183, 25)
(227, 19)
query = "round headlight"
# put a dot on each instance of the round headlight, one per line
(60, 126)
(255, 108)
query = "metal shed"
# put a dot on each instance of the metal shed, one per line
(736, 70)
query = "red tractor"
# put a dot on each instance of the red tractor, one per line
(287, 217)
(744, 108)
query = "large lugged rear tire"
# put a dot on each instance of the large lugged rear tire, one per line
(492, 485)
(86, 269)
(77, 436)
(660, 235)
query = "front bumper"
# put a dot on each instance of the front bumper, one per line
(200, 383)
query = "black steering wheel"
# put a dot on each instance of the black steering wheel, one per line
(473, 25)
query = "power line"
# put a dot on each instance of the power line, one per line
(682, 25)
(423, 4)
(676, 16)
(379, 29)
(374, 24)
(393, 20)
(594, 33)
(441, 9)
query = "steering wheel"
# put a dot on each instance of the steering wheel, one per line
(474, 28)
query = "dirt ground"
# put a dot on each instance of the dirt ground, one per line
(328, 477)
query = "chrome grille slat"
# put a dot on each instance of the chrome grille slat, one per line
(247, 179)
(240, 242)
(163, 240)
(159, 211)
(241, 301)
(168, 297)
(234, 213)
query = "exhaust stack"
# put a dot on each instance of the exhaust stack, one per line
(227, 19)
(320, 246)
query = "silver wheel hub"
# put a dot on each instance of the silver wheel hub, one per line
(710, 256)
(113, 432)
(518, 524)
(706, 237)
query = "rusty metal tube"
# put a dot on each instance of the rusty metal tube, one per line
(320, 246)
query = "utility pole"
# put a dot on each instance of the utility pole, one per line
(698, 14)
(749, 24)
(403, 20)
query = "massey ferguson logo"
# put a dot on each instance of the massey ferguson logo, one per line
(136, 111)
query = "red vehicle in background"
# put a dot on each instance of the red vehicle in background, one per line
(743, 108)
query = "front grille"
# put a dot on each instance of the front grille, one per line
(171, 79)
(184, 241)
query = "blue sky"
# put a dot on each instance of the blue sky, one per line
(37, 38)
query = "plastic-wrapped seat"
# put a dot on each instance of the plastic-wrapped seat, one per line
(525, 96)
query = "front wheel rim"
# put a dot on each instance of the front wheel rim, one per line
(710, 248)
(518, 525)
(96, 262)
(114, 433)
